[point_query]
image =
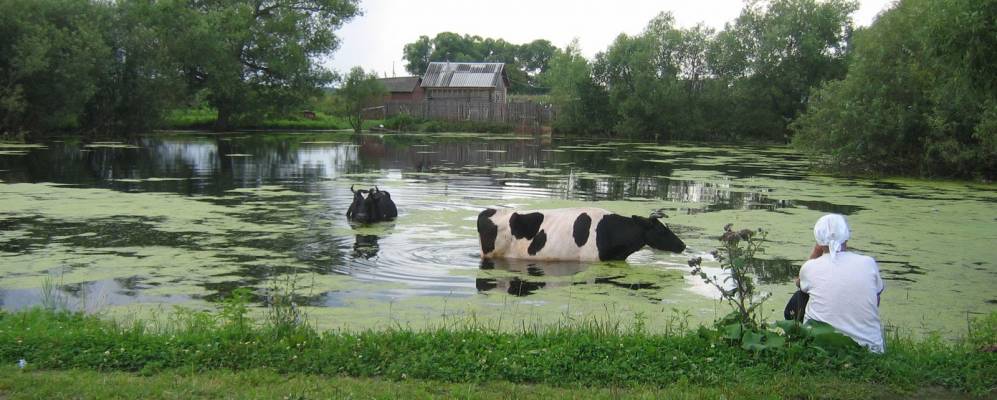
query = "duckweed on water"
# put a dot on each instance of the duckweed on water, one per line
(932, 238)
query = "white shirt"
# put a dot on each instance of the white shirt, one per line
(844, 293)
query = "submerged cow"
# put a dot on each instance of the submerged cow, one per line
(585, 234)
(371, 206)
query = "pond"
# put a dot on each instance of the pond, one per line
(182, 219)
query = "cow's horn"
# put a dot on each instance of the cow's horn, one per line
(351, 189)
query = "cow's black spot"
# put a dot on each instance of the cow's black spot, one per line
(618, 237)
(581, 229)
(537, 244)
(525, 225)
(487, 231)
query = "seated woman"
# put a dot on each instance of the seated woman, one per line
(843, 287)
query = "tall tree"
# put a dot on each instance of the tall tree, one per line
(583, 105)
(920, 97)
(255, 57)
(359, 92)
(139, 82)
(52, 56)
(776, 52)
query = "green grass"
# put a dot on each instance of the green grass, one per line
(203, 118)
(564, 358)
(266, 384)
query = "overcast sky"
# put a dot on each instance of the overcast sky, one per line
(374, 40)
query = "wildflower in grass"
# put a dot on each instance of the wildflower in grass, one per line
(22, 363)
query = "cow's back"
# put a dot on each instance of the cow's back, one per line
(561, 234)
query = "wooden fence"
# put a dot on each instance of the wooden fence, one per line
(524, 116)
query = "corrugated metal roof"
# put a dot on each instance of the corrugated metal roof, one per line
(404, 84)
(462, 75)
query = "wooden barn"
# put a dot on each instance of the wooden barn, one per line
(403, 88)
(466, 82)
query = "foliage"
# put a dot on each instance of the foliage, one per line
(358, 92)
(254, 58)
(745, 82)
(204, 118)
(583, 104)
(773, 55)
(138, 82)
(53, 56)
(597, 355)
(919, 98)
(115, 67)
(524, 62)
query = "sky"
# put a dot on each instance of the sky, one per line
(374, 40)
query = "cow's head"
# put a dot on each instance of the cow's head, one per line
(658, 236)
(363, 207)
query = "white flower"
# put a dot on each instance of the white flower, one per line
(22, 363)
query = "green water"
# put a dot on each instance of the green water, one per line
(139, 227)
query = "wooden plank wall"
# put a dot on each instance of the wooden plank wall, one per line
(527, 117)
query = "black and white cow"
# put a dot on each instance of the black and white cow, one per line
(584, 234)
(371, 206)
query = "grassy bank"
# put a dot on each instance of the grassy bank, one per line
(202, 118)
(590, 355)
(266, 384)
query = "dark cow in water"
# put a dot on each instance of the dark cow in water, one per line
(371, 206)
(585, 234)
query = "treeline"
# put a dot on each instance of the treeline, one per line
(920, 97)
(747, 81)
(111, 67)
(913, 94)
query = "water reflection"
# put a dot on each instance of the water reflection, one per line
(365, 246)
(218, 163)
(86, 296)
(530, 277)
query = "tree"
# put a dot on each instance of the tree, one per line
(920, 97)
(359, 92)
(254, 57)
(776, 52)
(583, 106)
(418, 55)
(52, 55)
(139, 82)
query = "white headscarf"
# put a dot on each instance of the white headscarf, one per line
(831, 230)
